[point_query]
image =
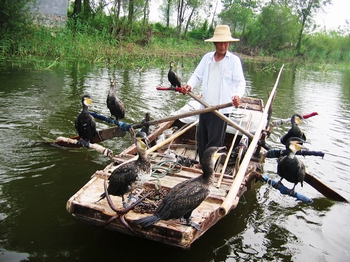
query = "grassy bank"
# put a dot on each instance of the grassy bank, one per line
(43, 48)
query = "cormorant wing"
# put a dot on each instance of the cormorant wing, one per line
(181, 199)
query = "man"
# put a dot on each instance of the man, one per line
(223, 81)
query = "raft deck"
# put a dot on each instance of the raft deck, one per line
(84, 206)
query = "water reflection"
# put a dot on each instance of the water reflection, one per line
(36, 180)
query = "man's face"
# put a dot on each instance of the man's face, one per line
(221, 47)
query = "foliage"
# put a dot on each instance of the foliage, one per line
(305, 9)
(104, 39)
(201, 33)
(15, 16)
(237, 14)
(274, 29)
(328, 46)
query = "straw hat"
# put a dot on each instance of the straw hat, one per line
(222, 34)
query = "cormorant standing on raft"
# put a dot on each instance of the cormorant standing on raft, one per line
(131, 173)
(114, 104)
(85, 123)
(294, 131)
(173, 78)
(289, 166)
(183, 198)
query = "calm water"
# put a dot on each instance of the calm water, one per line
(36, 180)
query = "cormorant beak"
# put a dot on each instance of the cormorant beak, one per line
(144, 141)
(218, 154)
(87, 101)
(298, 146)
(299, 120)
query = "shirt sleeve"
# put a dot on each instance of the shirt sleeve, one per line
(198, 73)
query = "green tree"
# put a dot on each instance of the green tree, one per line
(305, 9)
(237, 14)
(186, 9)
(274, 28)
(16, 16)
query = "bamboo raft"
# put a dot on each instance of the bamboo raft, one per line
(234, 175)
(230, 176)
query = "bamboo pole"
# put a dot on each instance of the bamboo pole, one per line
(232, 194)
(179, 116)
(102, 150)
(171, 138)
(168, 140)
(240, 151)
(218, 184)
(223, 117)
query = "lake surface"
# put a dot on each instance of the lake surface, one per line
(36, 180)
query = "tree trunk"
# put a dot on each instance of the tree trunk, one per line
(87, 9)
(180, 11)
(77, 8)
(168, 13)
(130, 16)
(145, 16)
(188, 22)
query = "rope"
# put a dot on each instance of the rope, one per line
(244, 202)
(162, 170)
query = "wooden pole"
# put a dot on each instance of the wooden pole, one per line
(223, 117)
(179, 116)
(171, 138)
(102, 150)
(232, 194)
(218, 184)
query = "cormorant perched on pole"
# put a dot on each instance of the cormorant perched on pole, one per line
(294, 131)
(289, 167)
(173, 78)
(183, 198)
(114, 104)
(131, 173)
(85, 123)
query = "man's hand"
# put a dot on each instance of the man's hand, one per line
(236, 101)
(186, 89)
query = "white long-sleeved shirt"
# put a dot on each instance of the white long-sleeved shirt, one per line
(233, 82)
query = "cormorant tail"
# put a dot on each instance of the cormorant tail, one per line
(102, 196)
(147, 221)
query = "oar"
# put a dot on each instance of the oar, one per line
(183, 115)
(120, 132)
(223, 117)
(323, 188)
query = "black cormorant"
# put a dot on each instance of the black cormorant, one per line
(131, 173)
(114, 104)
(289, 166)
(173, 78)
(294, 131)
(183, 198)
(85, 123)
